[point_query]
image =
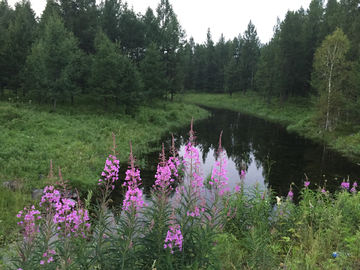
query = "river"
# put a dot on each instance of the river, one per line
(272, 156)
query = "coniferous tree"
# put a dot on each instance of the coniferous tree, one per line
(110, 13)
(151, 25)
(114, 76)
(250, 53)
(19, 37)
(153, 74)
(210, 64)
(6, 14)
(52, 67)
(222, 59)
(293, 54)
(131, 34)
(200, 67)
(52, 8)
(170, 44)
(82, 18)
(189, 65)
(231, 77)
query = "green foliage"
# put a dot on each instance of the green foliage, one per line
(153, 74)
(330, 77)
(53, 66)
(114, 75)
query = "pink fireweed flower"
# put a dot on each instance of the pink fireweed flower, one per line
(166, 172)
(353, 189)
(345, 185)
(242, 175)
(133, 197)
(111, 170)
(30, 229)
(218, 177)
(290, 195)
(307, 183)
(193, 176)
(173, 238)
(65, 211)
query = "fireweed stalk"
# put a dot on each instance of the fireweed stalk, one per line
(219, 189)
(103, 215)
(129, 228)
(194, 181)
(159, 219)
(109, 176)
(30, 231)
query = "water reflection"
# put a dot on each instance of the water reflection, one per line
(272, 156)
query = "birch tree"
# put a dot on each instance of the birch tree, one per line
(330, 72)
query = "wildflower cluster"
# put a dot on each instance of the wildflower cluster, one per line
(165, 172)
(133, 196)
(173, 238)
(111, 171)
(48, 257)
(353, 189)
(345, 185)
(65, 211)
(30, 229)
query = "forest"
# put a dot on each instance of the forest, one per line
(123, 58)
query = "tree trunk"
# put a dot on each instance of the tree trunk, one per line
(172, 97)
(327, 123)
(72, 100)
(54, 104)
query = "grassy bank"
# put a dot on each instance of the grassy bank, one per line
(77, 138)
(297, 114)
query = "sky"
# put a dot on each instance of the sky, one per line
(227, 17)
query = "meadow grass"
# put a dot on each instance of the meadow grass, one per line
(297, 114)
(76, 138)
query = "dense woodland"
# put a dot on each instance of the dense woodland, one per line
(126, 59)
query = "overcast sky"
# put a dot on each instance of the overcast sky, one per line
(229, 17)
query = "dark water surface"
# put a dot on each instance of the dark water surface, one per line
(272, 156)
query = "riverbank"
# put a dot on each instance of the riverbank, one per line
(296, 114)
(76, 138)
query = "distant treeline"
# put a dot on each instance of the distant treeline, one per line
(109, 51)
